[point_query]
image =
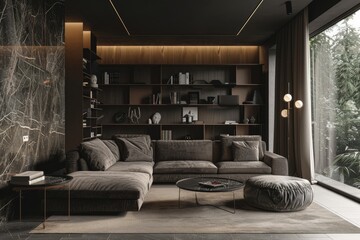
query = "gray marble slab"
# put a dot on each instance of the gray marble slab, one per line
(32, 79)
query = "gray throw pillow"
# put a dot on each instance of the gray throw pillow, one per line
(97, 155)
(135, 149)
(111, 144)
(226, 145)
(245, 150)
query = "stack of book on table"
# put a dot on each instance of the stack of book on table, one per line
(27, 178)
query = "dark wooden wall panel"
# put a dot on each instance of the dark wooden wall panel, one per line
(73, 84)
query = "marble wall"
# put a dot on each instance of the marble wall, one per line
(32, 79)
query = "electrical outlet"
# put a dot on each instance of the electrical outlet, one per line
(25, 138)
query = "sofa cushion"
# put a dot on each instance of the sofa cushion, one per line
(97, 155)
(185, 167)
(248, 167)
(109, 185)
(147, 137)
(245, 150)
(143, 167)
(135, 149)
(226, 145)
(111, 144)
(198, 150)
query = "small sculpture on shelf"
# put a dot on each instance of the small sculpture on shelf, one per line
(156, 118)
(188, 137)
(93, 81)
(252, 120)
(246, 120)
(134, 115)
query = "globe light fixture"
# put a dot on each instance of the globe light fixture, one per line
(287, 98)
(284, 113)
(299, 104)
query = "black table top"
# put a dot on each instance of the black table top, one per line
(198, 184)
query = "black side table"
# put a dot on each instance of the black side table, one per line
(50, 182)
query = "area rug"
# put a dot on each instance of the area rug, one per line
(160, 213)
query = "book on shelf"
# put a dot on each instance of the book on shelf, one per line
(212, 184)
(156, 98)
(28, 175)
(166, 135)
(106, 78)
(27, 182)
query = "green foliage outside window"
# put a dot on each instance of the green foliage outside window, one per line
(335, 71)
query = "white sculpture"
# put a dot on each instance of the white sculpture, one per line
(156, 118)
(93, 81)
(134, 115)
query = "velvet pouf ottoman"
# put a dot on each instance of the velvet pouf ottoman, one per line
(278, 193)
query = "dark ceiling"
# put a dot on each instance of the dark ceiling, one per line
(181, 21)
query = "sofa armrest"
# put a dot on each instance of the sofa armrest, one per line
(278, 163)
(72, 159)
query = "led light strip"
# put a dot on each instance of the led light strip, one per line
(117, 13)
(250, 17)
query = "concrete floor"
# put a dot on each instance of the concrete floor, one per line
(341, 206)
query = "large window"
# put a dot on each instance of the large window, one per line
(335, 76)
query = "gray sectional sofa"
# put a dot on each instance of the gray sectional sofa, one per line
(115, 175)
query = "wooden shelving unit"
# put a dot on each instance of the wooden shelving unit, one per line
(91, 95)
(132, 86)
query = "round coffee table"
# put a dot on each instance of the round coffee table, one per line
(50, 182)
(210, 185)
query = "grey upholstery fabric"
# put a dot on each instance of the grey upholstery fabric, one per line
(135, 149)
(97, 155)
(278, 164)
(243, 167)
(278, 193)
(245, 150)
(111, 144)
(119, 135)
(179, 166)
(199, 150)
(143, 167)
(83, 166)
(109, 185)
(227, 145)
(72, 161)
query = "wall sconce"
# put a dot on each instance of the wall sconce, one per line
(287, 98)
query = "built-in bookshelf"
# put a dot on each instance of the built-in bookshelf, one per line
(92, 110)
(175, 90)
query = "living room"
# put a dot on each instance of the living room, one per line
(180, 119)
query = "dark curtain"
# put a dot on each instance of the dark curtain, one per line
(293, 135)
